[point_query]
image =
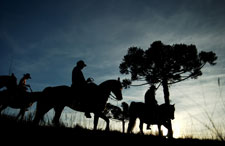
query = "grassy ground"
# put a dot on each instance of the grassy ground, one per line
(23, 131)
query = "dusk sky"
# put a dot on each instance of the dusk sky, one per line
(47, 37)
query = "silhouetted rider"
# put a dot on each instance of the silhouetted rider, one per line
(79, 84)
(22, 84)
(151, 102)
(23, 87)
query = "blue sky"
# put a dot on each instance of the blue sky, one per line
(47, 37)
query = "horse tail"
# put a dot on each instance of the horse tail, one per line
(132, 117)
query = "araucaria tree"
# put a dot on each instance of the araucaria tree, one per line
(164, 64)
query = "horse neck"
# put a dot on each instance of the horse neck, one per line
(165, 110)
(106, 87)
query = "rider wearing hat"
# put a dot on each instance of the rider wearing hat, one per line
(23, 88)
(78, 80)
(22, 84)
(150, 97)
(79, 84)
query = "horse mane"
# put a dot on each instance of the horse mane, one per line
(106, 82)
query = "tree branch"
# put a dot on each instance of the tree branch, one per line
(140, 84)
(180, 80)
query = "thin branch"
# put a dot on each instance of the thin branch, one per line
(180, 80)
(140, 84)
(186, 77)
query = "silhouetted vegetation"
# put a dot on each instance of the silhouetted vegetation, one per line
(164, 64)
(25, 129)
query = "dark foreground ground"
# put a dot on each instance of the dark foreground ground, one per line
(22, 132)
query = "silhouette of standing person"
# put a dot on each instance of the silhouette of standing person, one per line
(79, 84)
(151, 102)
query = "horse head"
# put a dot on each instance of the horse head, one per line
(117, 89)
(113, 86)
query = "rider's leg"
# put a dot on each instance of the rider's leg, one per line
(96, 117)
(141, 127)
(58, 111)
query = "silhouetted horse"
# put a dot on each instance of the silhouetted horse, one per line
(18, 102)
(10, 82)
(139, 110)
(92, 101)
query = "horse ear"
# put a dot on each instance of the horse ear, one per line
(118, 78)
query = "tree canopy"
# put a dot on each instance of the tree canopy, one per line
(173, 63)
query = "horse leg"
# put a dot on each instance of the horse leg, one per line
(38, 116)
(131, 124)
(168, 125)
(159, 130)
(141, 127)
(21, 113)
(40, 112)
(58, 111)
(170, 130)
(96, 117)
(106, 120)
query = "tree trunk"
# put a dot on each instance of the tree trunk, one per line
(167, 102)
(166, 91)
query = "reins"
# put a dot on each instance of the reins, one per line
(112, 97)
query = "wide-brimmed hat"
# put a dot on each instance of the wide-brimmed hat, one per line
(81, 63)
(27, 75)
